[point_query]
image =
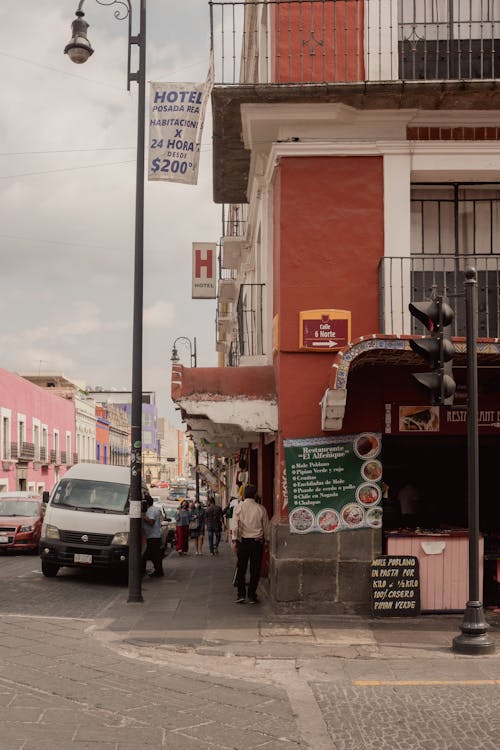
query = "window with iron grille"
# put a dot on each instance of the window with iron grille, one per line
(449, 39)
(454, 226)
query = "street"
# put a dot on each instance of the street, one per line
(188, 669)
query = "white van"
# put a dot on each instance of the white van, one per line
(86, 522)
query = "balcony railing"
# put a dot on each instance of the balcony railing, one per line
(402, 280)
(248, 337)
(328, 41)
(43, 455)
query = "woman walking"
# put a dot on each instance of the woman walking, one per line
(182, 529)
(197, 525)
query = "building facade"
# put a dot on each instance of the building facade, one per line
(37, 436)
(356, 153)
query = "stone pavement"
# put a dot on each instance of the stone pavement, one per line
(80, 668)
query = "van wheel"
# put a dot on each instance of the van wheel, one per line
(49, 569)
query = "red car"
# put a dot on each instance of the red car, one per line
(21, 515)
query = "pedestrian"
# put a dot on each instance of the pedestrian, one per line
(250, 535)
(182, 528)
(197, 525)
(151, 528)
(214, 521)
(228, 514)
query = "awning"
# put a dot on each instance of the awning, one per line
(383, 350)
(225, 408)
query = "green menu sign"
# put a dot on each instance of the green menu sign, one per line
(334, 483)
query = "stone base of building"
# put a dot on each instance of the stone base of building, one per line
(322, 573)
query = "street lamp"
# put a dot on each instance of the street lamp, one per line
(474, 639)
(79, 50)
(192, 350)
(194, 362)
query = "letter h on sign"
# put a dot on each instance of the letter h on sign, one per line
(204, 281)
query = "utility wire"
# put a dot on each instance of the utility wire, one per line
(65, 169)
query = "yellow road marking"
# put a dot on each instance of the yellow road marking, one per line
(377, 683)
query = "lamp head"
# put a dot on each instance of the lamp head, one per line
(175, 355)
(79, 48)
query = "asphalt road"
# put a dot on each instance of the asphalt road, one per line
(78, 671)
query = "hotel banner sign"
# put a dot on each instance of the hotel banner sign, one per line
(204, 283)
(176, 116)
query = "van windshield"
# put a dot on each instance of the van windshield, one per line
(94, 496)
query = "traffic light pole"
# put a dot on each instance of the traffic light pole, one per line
(474, 639)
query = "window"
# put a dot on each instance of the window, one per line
(443, 39)
(36, 439)
(68, 448)
(5, 448)
(21, 430)
(56, 445)
(451, 225)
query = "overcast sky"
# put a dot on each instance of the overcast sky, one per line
(67, 198)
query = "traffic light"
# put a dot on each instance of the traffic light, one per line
(436, 349)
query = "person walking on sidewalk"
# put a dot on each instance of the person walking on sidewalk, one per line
(197, 525)
(151, 528)
(182, 528)
(250, 535)
(213, 519)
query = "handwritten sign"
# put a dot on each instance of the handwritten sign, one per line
(395, 586)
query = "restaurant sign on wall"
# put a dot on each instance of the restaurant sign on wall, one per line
(334, 483)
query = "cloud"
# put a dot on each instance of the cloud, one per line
(159, 315)
(68, 138)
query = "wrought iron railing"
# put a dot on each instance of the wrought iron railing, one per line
(327, 41)
(248, 336)
(402, 280)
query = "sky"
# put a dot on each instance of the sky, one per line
(68, 137)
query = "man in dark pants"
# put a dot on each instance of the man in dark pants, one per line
(250, 535)
(151, 527)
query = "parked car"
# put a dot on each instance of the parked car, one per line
(21, 517)
(167, 524)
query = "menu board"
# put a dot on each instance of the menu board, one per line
(395, 586)
(334, 483)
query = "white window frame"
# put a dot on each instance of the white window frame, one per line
(36, 428)
(5, 414)
(68, 447)
(56, 444)
(21, 432)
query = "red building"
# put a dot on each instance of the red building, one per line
(356, 155)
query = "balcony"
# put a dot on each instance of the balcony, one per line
(53, 457)
(402, 280)
(248, 332)
(27, 451)
(347, 41)
(43, 455)
(390, 55)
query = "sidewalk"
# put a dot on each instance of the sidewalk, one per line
(193, 610)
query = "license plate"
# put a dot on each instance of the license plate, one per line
(4, 539)
(86, 559)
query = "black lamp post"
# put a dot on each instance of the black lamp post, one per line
(79, 50)
(474, 639)
(194, 362)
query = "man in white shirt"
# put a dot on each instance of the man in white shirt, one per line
(250, 535)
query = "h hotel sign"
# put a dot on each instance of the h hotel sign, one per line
(324, 330)
(204, 279)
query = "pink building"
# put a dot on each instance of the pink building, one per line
(37, 435)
